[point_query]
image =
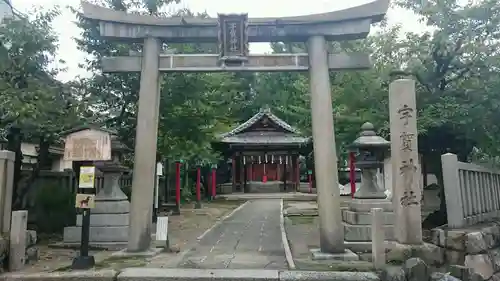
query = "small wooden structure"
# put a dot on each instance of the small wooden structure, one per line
(264, 153)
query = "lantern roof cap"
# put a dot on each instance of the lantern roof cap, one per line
(368, 138)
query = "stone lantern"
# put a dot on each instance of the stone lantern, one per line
(109, 219)
(112, 171)
(371, 150)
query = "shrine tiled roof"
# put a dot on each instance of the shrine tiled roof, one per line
(265, 111)
(261, 138)
(241, 135)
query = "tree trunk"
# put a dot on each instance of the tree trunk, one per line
(41, 164)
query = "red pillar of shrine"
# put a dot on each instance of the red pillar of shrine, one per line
(278, 171)
(198, 188)
(214, 181)
(264, 175)
(250, 167)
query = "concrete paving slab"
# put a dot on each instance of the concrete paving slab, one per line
(98, 275)
(177, 274)
(252, 235)
(348, 255)
(327, 276)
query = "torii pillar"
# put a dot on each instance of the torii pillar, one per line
(143, 181)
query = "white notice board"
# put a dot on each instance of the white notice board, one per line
(162, 229)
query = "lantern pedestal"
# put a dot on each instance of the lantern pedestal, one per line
(109, 220)
(347, 255)
(371, 151)
(357, 222)
(369, 186)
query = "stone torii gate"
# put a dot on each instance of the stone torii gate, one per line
(233, 32)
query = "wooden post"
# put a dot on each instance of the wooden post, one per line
(285, 172)
(251, 171)
(297, 172)
(233, 171)
(294, 172)
(177, 187)
(214, 181)
(241, 171)
(198, 187)
(264, 175)
(278, 170)
(245, 177)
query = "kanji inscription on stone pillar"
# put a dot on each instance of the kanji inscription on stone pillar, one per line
(406, 169)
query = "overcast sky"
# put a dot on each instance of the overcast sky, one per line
(67, 30)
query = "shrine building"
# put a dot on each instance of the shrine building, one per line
(263, 153)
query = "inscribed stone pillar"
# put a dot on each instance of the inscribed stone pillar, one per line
(325, 156)
(405, 164)
(145, 149)
(378, 237)
(7, 159)
(17, 242)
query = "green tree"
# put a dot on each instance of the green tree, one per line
(32, 99)
(194, 107)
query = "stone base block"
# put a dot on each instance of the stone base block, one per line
(105, 219)
(430, 253)
(111, 207)
(364, 233)
(149, 253)
(110, 246)
(268, 187)
(98, 234)
(366, 246)
(365, 218)
(348, 255)
(225, 188)
(365, 205)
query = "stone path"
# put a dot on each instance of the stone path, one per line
(250, 239)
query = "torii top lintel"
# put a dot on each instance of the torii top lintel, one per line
(348, 24)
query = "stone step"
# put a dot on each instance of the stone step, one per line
(111, 207)
(97, 234)
(366, 247)
(105, 219)
(363, 232)
(95, 245)
(365, 218)
(365, 205)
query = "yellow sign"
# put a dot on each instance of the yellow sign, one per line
(87, 177)
(85, 201)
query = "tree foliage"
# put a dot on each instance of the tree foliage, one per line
(32, 101)
(32, 98)
(455, 63)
